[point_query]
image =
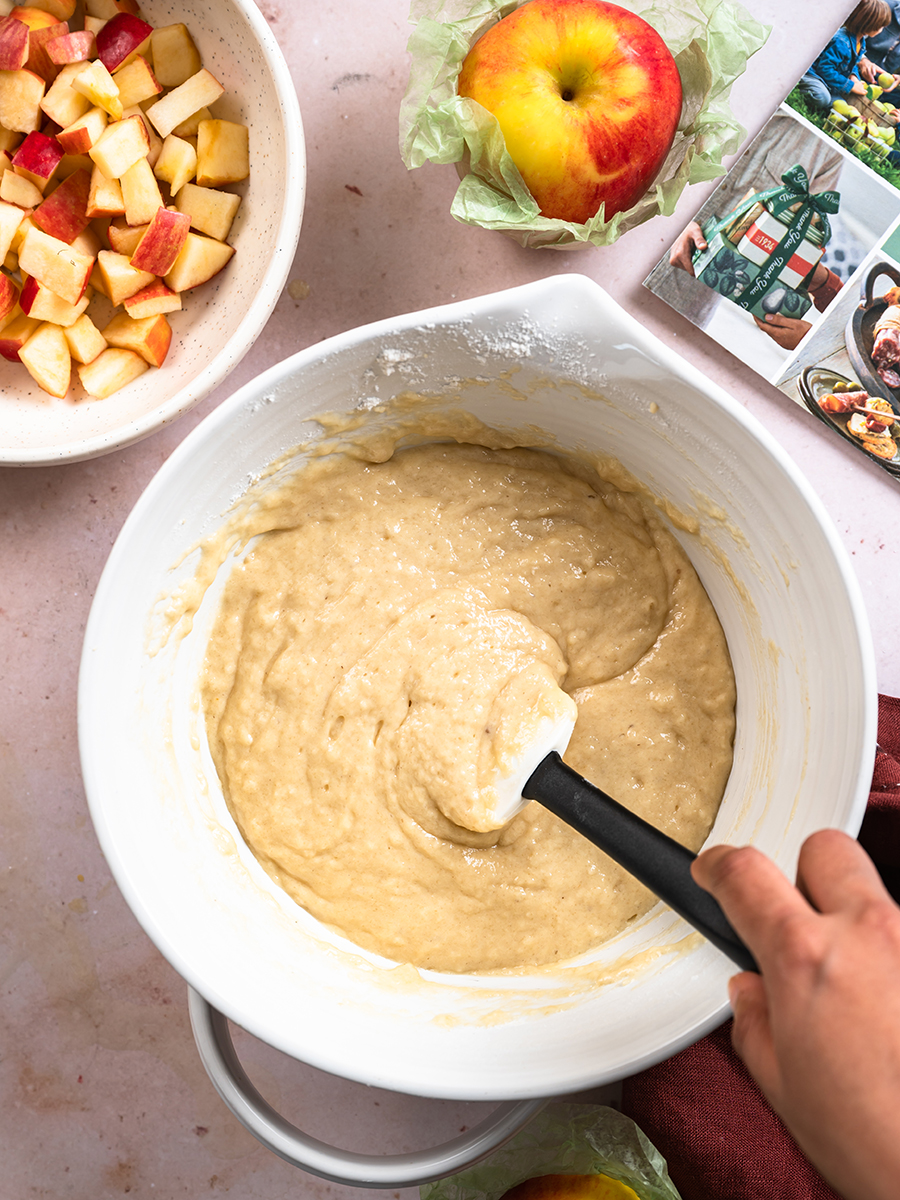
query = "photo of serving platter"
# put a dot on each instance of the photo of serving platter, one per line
(871, 355)
(820, 387)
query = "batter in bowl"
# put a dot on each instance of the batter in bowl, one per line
(384, 647)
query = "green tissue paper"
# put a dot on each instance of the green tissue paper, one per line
(711, 41)
(565, 1139)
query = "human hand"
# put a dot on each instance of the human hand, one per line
(689, 240)
(788, 332)
(819, 1028)
(868, 70)
(858, 89)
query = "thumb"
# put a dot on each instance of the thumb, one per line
(751, 1035)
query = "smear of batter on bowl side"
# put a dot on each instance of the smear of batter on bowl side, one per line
(387, 641)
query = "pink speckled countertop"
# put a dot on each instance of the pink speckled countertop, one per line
(101, 1090)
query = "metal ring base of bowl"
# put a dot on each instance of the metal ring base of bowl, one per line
(217, 1053)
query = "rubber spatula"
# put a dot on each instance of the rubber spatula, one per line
(654, 859)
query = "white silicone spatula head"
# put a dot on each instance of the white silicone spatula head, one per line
(549, 734)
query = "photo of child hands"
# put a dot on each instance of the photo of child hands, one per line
(819, 1028)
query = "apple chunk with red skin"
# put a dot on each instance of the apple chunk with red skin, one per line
(122, 36)
(13, 44)
(150, 337)
(64, 213)
(9, 295)
(588, 98)
(70, 47)
(37, 158)
(14, 335)
(161, 244)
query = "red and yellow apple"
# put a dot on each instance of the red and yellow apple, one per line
(588, 98)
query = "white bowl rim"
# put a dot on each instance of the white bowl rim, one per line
(260, 309)
(446, 314)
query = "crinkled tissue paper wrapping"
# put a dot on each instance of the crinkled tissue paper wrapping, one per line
(711, 41)
(565, 1139)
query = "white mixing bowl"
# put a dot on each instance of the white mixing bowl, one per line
(559, 355)
(223, 318)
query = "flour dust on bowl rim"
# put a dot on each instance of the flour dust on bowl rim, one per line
(561, 357)
(222, 318)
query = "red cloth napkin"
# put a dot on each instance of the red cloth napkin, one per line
(703, 1111)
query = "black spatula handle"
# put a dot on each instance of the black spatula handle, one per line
(656, 860)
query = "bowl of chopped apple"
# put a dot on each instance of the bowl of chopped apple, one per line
(152, 180)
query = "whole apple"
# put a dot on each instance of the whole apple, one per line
(588, 98)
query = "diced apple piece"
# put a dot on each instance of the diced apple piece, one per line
(9, 296)
(33, 17)
(176, 164)
(105, 197)
(123, 238)
(84, 133)
(93, 24)
(21, 93)
(188, 128)
(14, 336)
(199, 91)
(13, 44)
(42, 304)
(16, 190)
(64, 213)
(62, 103)
(152, 136)
(119, 278)
(9, 140)
(122, 144)
(152, 300)
(150, 336)
(95, 82)
(140, 191)
(121, 39)
(70, 163)
(37, 159)
(110, 370)
(87, 242)
(21, 232)
(136, 82)
(10, 317)
(39, 60)
(175, 57)
(47, 359)
(210, 211)
(223, 153)
(77, 47)
(107, 9)
(60, 10)
(161, 244)
(56, 265)
(85, 340)
(200, 258)
(10, 220)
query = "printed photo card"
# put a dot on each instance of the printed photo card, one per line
(793, 263)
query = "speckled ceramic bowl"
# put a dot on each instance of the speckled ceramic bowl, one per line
(561, 356)
(222, 318)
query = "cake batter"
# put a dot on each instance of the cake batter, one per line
(379, 655)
